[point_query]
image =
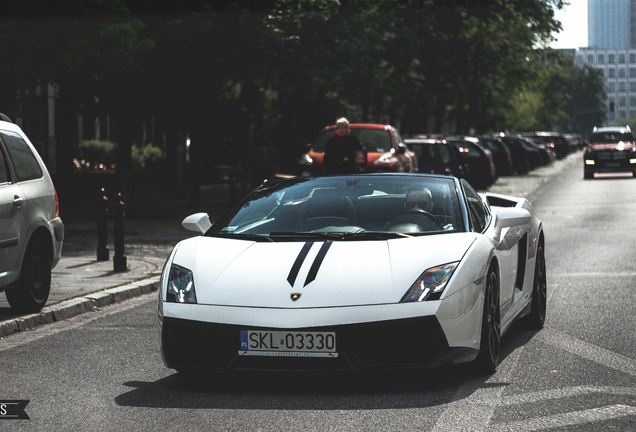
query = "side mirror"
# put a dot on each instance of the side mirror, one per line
(198, 222)
(401, 149)
(507, 217)
(511, 216)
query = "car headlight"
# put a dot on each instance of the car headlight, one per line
(180, 286)
(430, 284)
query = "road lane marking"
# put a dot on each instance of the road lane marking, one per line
(567, 419)
(23, 338)
(472, 407)
(474, 402)
(562, 393)
(587, 350)
(603, 275)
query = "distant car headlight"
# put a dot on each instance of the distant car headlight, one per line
(430, 284)
(180, 286)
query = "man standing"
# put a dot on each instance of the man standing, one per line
(343, 152)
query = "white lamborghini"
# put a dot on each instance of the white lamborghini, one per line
(359, 272)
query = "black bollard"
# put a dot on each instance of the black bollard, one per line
(102, 226)
(120, 262)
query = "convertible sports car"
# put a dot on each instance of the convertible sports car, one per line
(356, 272)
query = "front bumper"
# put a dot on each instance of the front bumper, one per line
(393, 344)
(610, 161)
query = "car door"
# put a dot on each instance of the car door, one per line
(507, 248)
(11, 201)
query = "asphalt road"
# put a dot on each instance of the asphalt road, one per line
(103, 371)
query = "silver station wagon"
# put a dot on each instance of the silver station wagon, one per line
(31, 231)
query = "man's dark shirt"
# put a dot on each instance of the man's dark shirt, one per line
(340, 154)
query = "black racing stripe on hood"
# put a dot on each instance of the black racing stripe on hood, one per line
(313, 271)
(293, 273)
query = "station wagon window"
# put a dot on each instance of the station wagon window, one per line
(25, 164)
(4, 170)
(479, 213)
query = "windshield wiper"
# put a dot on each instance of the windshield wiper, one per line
(336, 235)
(303, 235)
(375, 235)
(243, 236)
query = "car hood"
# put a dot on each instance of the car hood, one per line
(324, 273)
(612, 146)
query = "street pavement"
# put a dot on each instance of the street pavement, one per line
(82, 284)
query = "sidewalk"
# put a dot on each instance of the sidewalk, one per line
(82, 284)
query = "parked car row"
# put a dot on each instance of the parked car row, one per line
(478, 159)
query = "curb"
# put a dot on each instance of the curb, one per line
(78, 305)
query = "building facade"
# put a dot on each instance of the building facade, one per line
(619, 69)
(612, 50)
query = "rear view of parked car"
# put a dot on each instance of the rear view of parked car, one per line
(31, 231)
(500, 154)
(435, 156)
(479, 167)
(611, 149)
(562, 147)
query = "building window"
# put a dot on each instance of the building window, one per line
(632, 101)
(612, 87)
(621, 87)
(632, 57)
(621, 59)
(611, 58)
(622, 114)
(632, 86)
(622, 101)
(611, 73)
(590, 59)
(621, 72)
(632, 72)
(601, 59)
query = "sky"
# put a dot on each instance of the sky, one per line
(574, 22)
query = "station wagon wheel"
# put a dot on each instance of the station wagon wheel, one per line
(34, 285)
(539, 291)
(490, 343)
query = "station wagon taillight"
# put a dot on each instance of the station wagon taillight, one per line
(57, 204)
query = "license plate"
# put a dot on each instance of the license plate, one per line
(612, 164)
(287, 343)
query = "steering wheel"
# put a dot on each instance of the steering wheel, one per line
(421, 218)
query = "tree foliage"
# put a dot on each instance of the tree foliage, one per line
(246, 79)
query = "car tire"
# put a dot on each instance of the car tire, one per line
(588, 175)
(34, 284)
(490, 342)
(536, 318)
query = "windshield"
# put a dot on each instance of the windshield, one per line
(373, 140)
(346, 207)
(611, 137)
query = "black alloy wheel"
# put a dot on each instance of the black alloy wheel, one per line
(539, 291)
(34, 285)
(490, 344)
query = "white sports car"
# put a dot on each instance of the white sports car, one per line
(355, 272)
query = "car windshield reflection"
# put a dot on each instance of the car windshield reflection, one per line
(364, 207)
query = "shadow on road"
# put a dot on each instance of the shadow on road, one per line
(324, 391)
